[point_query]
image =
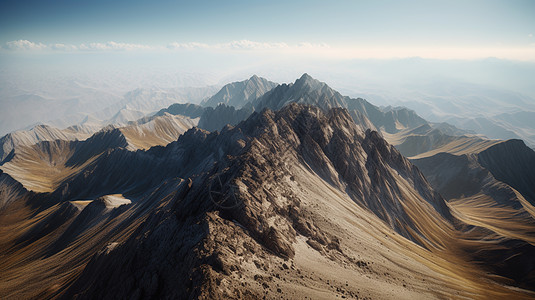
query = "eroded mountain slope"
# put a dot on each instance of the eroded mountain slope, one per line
(288, 203)
(300, 201)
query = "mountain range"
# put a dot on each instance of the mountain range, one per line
(296, 190)
(488, 110)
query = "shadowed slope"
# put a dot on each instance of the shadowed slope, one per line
(512, 162)
(505, 240)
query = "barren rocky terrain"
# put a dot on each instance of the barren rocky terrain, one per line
(294, 202)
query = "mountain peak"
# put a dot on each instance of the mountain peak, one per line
(305, 77)
(307, 80)
(256, 82)
(306, 90)
(239, 93)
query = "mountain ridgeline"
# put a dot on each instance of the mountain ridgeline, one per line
(267, 191)
(305, 90)
(259, 175)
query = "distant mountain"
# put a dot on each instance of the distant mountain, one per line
(89, 125)
(186, 109)
(210, 119)
(238, 94)
(310, 91)
(22, 110)
(485, 109)
(394, 119)
(305, 90)
(485, 126)
(430, 139)
(84, 116)
(153, 99)
(517, 125)
(140, 102)
(53, 158)
(37, 134)
(521, 119)
(158, 131)
(216, 118)
(123, 116)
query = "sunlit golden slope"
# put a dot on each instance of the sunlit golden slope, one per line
(37, 134)
(160, 131)
(43, 166)
(425, 141)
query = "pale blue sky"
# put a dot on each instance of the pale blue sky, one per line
(339, 24)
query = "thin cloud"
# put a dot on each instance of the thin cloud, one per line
(188, 46)
(233, 45)
(251, 45)
(24, 45)
(312, 45)
(237, 45)
(247, 45)
(113, 46)
(274, 49)
(63, 47)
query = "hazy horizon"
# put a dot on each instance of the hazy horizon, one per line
(83, 56)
